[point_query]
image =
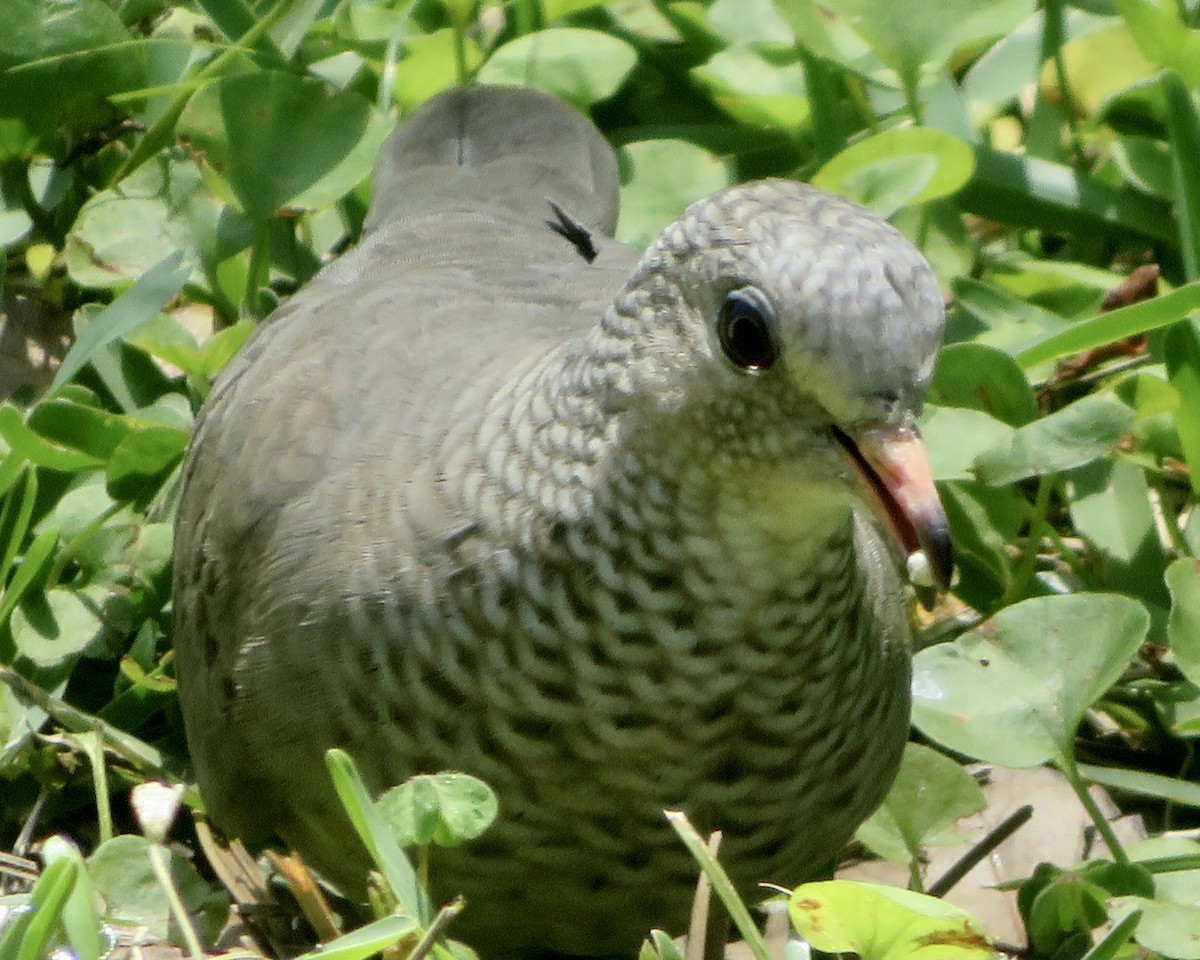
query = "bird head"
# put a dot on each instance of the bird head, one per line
(791, 315)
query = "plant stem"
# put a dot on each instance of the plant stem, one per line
(721, 883)
(1066, 764)
(158, 861)
(1037, 527)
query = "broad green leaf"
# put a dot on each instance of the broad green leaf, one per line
(748, 22)
(582, 66)
(1162, 38)
(116, 240)
(990, 315)
(660, 178)
(1014, 690)
(1077, 434)
(282, 141)
(1066, 910)
(983, 522)
(1110, 506)
(756, 91)
(898, 168)
(444, 808)
(51, 628)
(930, 793)
(428, 67)
(28, 445)
(885, 923)
(1167, 928)
(1183, 627)
(1146, 163)
(956, 436)
(915, 37)
(980, 377)
(141, 460)
(123, 876)
(79, 427)
(58, 64)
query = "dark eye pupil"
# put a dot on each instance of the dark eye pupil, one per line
(745, 336)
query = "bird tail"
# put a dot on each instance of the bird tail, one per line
(508, 145)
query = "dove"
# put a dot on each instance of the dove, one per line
(616, 533)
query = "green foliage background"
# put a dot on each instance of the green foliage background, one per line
(165, 162)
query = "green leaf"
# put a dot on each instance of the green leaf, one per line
(930, 793)
(1162, 38)
(34, 563)
(1183, 626)
(366, 941)
(748, 22)
(27, 933)
(28, 445)
(1063, 910)
(1110, 506)
(79, 427)
(582, 66)
(444, 808)
(884, 923)
(1112, 326)
(1077, 434)
(59, 62)
(990, 695)
(983, 378)
(660, 179)
(371, 828)
(1181, 346)
(78, 916)
(756, 91)
(141, 460)
(1183, 128)
(955, 437)
(428, 66)
(121, 871)
(138, 304)
(916, 37)
(1144, 783)
(900, 167)
(52, 628)
(1029, 191)
(283, 141)
(1167, 928)
(15, 514)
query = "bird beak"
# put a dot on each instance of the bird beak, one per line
(894, 467)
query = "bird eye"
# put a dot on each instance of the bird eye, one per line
(745, 330)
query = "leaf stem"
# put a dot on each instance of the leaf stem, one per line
(1066, 763)
(1037, 527)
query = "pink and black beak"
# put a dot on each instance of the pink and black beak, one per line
(893, 466)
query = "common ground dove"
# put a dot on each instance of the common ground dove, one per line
(614, 533)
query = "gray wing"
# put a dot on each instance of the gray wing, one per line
(317, 469)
